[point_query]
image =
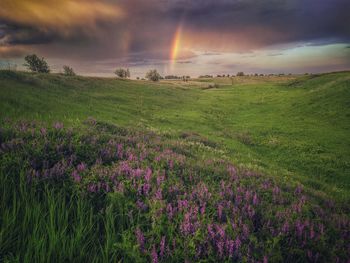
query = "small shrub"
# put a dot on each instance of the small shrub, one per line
(68, 71)
(153, 75)
(122, 73)
(36, 64)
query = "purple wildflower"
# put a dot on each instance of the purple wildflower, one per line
(58, 125)
(120, 151)
(255, 199)
(230, 247)
(162, 246)
(148, 175)
(43, 131)
(81, 167)
(140, 239)
(76, 176)
(158, 194)
(170, 211)
(238, 243)
(154, 255)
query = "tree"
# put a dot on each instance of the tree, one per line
(240, 74)
(36, 64)
(68, 71)
(122, 73)
(153, 75)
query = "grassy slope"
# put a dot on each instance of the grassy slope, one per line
(294, 128)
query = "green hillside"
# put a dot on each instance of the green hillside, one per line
(296, 127)
(255, 169)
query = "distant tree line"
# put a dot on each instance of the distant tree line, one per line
(206, 76)
(185, 78)
(37, 64)
(242, 74)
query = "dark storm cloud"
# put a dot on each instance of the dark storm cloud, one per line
(24, 35)
(142, 30)
(296, 20)
(238, 25)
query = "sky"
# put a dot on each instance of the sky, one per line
(178, 37)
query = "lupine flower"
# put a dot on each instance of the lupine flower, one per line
(230, 247)
(202, 209)
(76, 176)
(321, 228)
(141, 205)
(131, 157)
(232, 171)
(154, 255)
(58, 125)
(120, 151)
(170, 211)
(276, 190)
(148, 175)
(43, 131)
(220, 211)
(81, 167)
(312, 232)
(255, 199)
(285, 227)
(299, 227)
(298, 190)
(171, 164)
(92, 188)
(182, 204)
(220, 247)
(211, 231)
(158, 194)
(238, 243)
(162, 246)
(140, 239)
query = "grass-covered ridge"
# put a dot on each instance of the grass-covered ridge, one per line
(101, 193)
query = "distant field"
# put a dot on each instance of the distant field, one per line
(250, 169)
(290, 126)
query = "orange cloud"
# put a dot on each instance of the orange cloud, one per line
(60, 15)
(12, 51)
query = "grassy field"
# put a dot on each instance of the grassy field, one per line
(107, 170)
(294, 126)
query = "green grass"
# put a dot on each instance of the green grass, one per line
(292, 129)
(295, 127)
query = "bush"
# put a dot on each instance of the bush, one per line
(122, 73)
(153, 75)
(68, 71)
(36, 64)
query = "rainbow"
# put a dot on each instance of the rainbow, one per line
(175, 47)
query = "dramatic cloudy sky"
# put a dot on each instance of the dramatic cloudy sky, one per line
(179, 36)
